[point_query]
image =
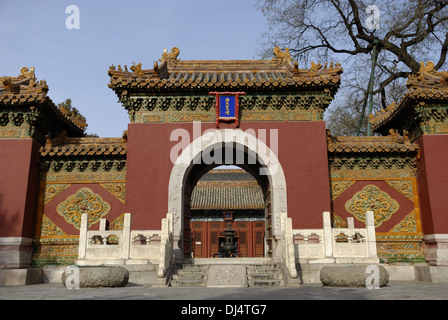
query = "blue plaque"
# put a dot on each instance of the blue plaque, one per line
(227, 107)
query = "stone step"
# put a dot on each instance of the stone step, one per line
(188, 283)
(265, 276)
(190, 275)
(266, 283)
(191, 271)
(245, 261)
(193, 276)
(258, 275)
(264, 270)
(194, 266)
(264, 266)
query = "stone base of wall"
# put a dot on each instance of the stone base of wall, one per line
(436, 249)
(147, 275)
(432, 273)
(15, 252)
(310, 272)
(20, 277)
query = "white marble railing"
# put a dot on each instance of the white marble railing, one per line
(126, 246)
(340, 245)
(166, 245)
(288, 246)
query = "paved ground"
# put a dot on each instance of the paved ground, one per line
(412, 290)
(228, 303)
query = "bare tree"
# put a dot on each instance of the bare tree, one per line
(73, 113)
(409, 31)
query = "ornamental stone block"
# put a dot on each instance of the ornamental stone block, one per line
(352, 276)
(99, 276)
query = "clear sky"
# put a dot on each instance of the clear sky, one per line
(74, 62)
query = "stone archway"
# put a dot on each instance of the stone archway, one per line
(269, 167)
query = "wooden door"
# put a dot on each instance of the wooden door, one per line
(208, 234)
(241, 229)
(258, 238)
(214, 232)
(188, 234)
(268, 215)
(188, 237)
(197, 229)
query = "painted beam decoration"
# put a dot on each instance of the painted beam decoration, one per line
(227, 107)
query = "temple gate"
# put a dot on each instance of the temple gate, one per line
(189, 117)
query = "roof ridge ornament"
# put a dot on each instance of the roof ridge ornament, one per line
(281, 58)
(27, 73)
(426, 73)
(315, 67)
(137, 69)
(8, 85)
(170, 59)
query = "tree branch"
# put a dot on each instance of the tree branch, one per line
(443, 53)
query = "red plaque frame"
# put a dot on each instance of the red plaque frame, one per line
(234, 119)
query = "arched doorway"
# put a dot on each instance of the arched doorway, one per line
(228, 198)
(212, 149)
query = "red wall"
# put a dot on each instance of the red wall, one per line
(18, 187)
(50, 208)
(433, 183)
(302, 152)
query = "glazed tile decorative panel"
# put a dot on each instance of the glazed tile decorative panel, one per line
(83, 201)
(372, 198)
(49, 228)
(52, 190)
